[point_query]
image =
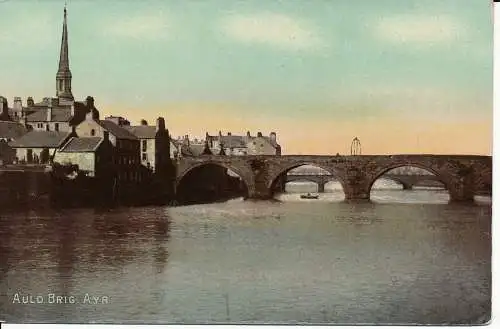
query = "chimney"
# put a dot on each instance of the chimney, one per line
(207, 136)
(259, 134)
(272, 137)
(49, 110)
(106, 135)
(160, 124)
(220, 133)
(186, 140)
(89, 101)
(30, 102)
(248, 134)
(18, 104)
(229, 134)
(144, 122)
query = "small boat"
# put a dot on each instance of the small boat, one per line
(309, 196)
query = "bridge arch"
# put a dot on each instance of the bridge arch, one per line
(285, 169)
(444, 178)
(244, 174)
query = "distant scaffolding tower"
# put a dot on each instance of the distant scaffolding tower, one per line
(356, 146)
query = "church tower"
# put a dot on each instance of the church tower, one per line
(63, 76)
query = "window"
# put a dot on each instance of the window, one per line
(144, 156)
(47, 127)
(92, 132)
(60, 84)
(56, 126)
(144, 145)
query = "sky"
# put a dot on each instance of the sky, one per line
(413, 76)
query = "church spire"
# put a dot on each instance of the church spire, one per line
(63, 77)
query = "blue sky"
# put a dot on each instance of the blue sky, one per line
(306, 69)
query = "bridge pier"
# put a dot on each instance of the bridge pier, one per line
(461, 193)
(259, 194)
(356, 192)
(407, 186)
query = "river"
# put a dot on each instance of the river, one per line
(406, 257)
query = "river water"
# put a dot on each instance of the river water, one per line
(407, 257)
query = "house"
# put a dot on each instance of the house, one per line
(51, 115)
(93, 155)
(191, 148)
(39, 146)
(244, 145)
(147, 137)
(126, 145)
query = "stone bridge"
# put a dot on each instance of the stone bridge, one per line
(462, 175)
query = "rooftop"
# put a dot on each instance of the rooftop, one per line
(11, 129)
(116, 130)
(35, 139)
(81, 144)
(143, 131)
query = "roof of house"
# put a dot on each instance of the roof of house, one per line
(35, 138)
(82, 144)
(143, 131)
(11, 129)
(59, 114)
(116, 130)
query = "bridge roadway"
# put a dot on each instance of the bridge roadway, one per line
(462, 175)
(408, 181)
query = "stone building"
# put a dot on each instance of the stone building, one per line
(39, 146)
(147, 137)
(126, 145)
(93, 155)
(244, 145)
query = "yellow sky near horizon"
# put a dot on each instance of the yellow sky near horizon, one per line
(378, 135)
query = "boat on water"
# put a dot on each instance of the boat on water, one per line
(309, 196)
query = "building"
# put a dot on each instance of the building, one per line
(9, 131)
(93, 155)
(147, 137)
(126, 145)
(244, 145)
(39, 146)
